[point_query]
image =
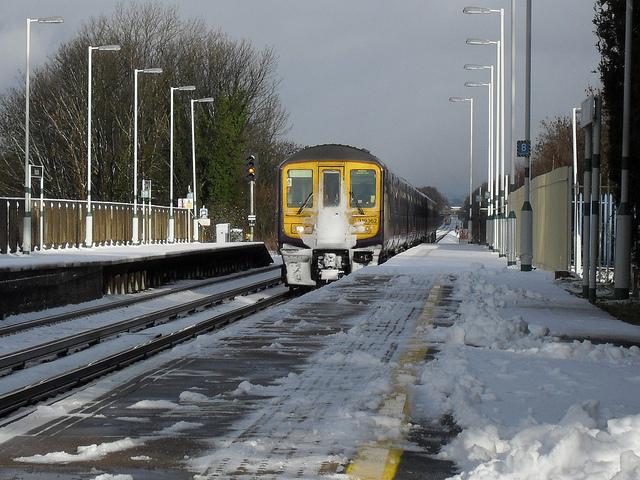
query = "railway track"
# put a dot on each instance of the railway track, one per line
(442, 236)
(126, 302)
(48, 387)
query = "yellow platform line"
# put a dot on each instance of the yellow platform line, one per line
(380, 460)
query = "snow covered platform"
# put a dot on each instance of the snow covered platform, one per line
(440, 361)
(59, 277)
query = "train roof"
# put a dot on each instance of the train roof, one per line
(335, 151)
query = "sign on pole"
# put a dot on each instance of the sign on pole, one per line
(146, 189)
(523, 148)
(37, 171)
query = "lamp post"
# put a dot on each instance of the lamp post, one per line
(26, 221)
(499, 151)
(501, 73)
(193, 157)
(135, 147)
(577, 255)
(88, 238)
(171, 236)
(622, 277)
(470, 100)
(526, 215)
(488, 229)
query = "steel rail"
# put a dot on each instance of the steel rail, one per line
(19, 358)
(83, 312)
(29, 394)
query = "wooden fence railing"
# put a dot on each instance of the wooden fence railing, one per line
(61, 223)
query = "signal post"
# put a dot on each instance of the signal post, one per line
(251, 175)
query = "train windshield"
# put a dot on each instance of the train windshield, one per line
(331, 188)
(363, 188)
(299, 188)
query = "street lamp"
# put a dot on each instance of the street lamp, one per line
(501, 74)
(26, 222)
(499, 152)
(135, 240)
(470, 100)
(88, 239)
(489, 223)
(171, 235)
(193, 157)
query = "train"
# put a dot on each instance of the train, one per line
(340, 209)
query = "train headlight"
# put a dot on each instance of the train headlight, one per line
(300, 229)
(360, 228)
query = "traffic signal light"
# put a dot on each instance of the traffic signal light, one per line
(251, 167)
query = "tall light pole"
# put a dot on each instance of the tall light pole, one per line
(499, 151)
(135, 147)
(26, 222)
(88, 238)
(576, 233)
(470, 100)
(526, 215)
(623, 221)
(502, 187)
(470, 66)
(171, 235)
(193, 158)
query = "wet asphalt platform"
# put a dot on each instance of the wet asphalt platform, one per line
(272, 396)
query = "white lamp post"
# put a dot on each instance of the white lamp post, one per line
(576, 232)
(134, 235)
(88, 238)
(171, 236)
(501, 74)
(470, 100)
(26, 223)
(499, 151)
(193, 157)
(489, 225)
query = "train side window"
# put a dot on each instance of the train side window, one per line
(299, 188)
(363, 188)
(331, 188)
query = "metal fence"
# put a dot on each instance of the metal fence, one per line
(59, 223)
(606, 244)
(557, 224)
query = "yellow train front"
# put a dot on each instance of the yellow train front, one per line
(341, 209)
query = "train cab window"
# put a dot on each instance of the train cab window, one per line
(331, 188)
(363, 188)
(299, 188)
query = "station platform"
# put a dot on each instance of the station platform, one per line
(59, 277)
(440, 361)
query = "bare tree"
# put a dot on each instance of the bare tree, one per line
(247, 114)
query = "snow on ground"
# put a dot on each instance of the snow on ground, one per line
(126, 340)
(531, 405)
(77, 256)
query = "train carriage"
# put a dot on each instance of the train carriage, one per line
(340, 209)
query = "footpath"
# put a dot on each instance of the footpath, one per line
(440, 363)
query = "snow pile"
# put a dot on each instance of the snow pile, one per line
(108, 476)
(155, 405)
(513, 388)
(84, 453)
(574, 448)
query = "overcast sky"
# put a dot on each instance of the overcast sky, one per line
(372, 73)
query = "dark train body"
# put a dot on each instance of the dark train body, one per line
(340, 209)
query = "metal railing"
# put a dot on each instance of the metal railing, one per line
(58, 223)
